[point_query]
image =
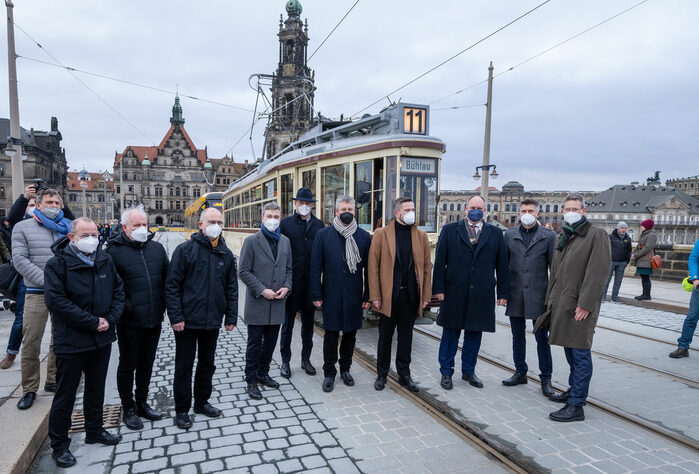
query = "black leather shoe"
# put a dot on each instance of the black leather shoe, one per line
(26, 401)
(568, 413)
(183, 421)
(208, 409)
(473, 380)
(408, 383)
(147, 412)
(561, 397)
(446, 382)
(518, 378)
(254, 391)
(103, 437)
(131, 419)
(63, 458)
(547, 388)
(285, 370)
(679, 353)
(308, 367)
(328, 384)
(267, 381)
(642, 298)
(380, 383)
(347, 378)
(50, 387)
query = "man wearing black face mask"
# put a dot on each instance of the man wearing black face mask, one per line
(468, 253)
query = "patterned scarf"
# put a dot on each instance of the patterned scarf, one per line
(351, 249)
(569, 231)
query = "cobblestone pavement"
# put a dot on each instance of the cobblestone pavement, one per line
(646, 316)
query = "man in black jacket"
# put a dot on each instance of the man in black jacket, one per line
(201, 287)
(142, 265)
(85, 295)
(301, 229)
(621, 254)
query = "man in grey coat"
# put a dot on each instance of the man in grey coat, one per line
(265, 268)
(530, 253)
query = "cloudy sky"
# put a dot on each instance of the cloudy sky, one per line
(611, 106)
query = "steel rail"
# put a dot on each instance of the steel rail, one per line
(650, 338)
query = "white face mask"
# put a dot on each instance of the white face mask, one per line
(409, 218)
(572, 217)
(50, 212)
(30, 211)
(527, 219)
(303, 210)
(140, 234)
(87, 245)
(271, 224)
(213, 230)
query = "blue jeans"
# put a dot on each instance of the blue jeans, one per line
(469, 352)
(690, 322)
(519, 348)
(580, 362)
(617, 271)
(16, 331)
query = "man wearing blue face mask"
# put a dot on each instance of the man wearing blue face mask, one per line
(469, 254)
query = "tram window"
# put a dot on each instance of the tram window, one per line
(418, 181)
(256, 216)
(391, 194)
(287, 185)
(256, 193)
(363, 193)
(308, 180)
(333, 183)
(270, 189)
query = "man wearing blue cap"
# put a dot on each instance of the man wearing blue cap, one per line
(300, 228)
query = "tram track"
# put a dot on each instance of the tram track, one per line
(649, 338)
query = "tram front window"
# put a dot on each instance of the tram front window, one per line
(418, 181)
(368, 192)
(333, 183)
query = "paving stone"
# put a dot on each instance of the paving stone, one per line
(164, 440)
(143, 444)
(302, 450)
(254, 436)
(254, 447)
(152, 453)
(278, 443)
(242, 460)
(212, 466)
(125, 458)
(150, 465)
(229, 440)
(272, 455)
(186, 458)
(291, 465)
(178, 449)
(265, 469)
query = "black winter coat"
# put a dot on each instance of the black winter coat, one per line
(202, 284)
(621, 247)
(466, 276)
(301, 237)
(142, 267)
(77, 295)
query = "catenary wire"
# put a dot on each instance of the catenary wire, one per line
(332, 31)
(459, 107)
(452, 57)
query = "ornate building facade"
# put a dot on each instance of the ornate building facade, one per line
(96, 190)
(689, 185)
(227, 171)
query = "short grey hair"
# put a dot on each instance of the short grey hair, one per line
(344, 198)
(74, 223)
(126, 215)
(47, 192)
(271, 206)
(575, 197)
(203, 213)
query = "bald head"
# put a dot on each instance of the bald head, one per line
(475, 208)
(211, 223)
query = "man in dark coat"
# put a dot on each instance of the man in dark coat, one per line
(340, 255)
(573, 298)
(469, 254)
(142, 265)
(201, 287)
(85, 295)
(530, 253)
(621, 254)
(301, 229)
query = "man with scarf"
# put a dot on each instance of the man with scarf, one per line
(339, 282)
(266, 270)
(578, 273)
(31, 249)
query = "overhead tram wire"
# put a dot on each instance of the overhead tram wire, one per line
(459, 107)
(452, 57)
(332, 31)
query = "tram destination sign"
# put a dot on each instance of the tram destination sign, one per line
(415, 120)
(421, 166)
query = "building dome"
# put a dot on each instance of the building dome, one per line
(513, 187)
(294, 8)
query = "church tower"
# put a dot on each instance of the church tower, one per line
(292, 84)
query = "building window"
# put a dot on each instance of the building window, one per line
(172, 205)
(507, 208)
(2, 170)
(2, 192)
(495, 207)
(72, 198)
(131, 188)
(444, 206)
(514, 208)
(196, 192)
(548, 208)
(172, 192)
(177, 204)
(451, 206)
(555, 208)
(458, 207)
(177, 191)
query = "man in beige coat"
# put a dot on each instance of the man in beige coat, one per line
(400, 286)
(581, 262)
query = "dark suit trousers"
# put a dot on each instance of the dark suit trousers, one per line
(186, 342)
(330, 351)
(137, 348)
(306, 334)
(469, 352)
(519, 347)
(403, 317)
(262, 339)
(69, 368)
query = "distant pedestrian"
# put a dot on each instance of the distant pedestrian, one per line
(339, 283)
(201, 291)
(530, 249)
(265, 269)
(641, 257)
(86, 298)
(690, 322)
(621, 254)
(573, 298)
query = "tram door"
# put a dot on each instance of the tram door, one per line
(368, 192)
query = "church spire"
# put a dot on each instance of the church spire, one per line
(177, 120)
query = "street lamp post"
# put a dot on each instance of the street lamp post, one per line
(84, 176)
(209, 171)
(486, 143)
(106, 175)
(14, 141)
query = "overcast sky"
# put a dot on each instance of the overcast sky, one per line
(609, 107)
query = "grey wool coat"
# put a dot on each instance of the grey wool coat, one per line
(644, 249)
(578, 275)
(258, 270)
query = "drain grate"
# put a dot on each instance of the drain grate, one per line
(111, 415)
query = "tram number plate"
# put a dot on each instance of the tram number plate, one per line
(415, 120)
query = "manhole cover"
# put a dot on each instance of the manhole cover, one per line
(110, 414)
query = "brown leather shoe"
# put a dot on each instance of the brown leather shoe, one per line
(7, 362)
